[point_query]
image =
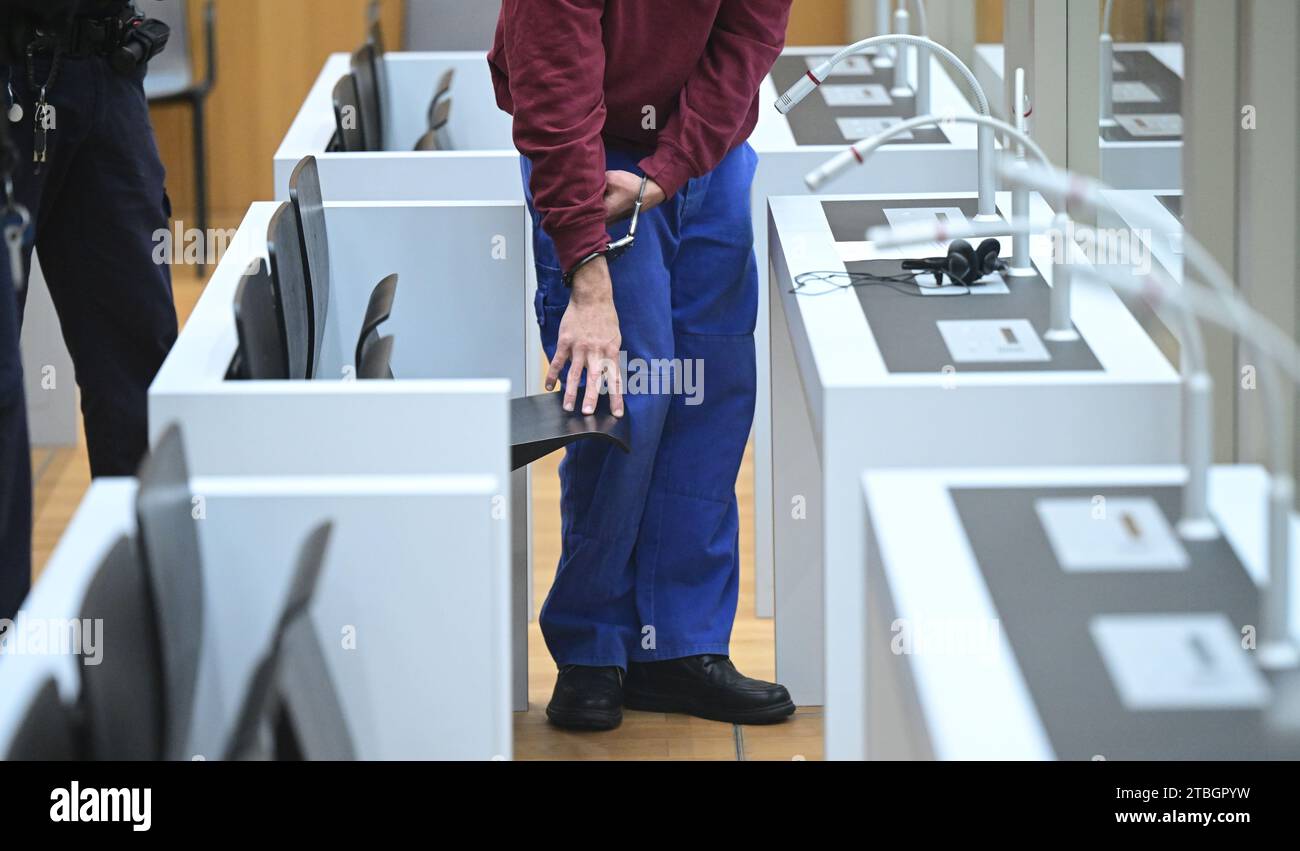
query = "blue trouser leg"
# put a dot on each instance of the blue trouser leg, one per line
(687, 551)
(15, 458)
(649, 564)
(98, 203)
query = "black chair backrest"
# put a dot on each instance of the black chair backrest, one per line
(365, 70)
(262, 352)
(169, 548)
(292, 664)
(438, 136)
(347, 116)
(428, 141)
(440, 93)
(375, 40)
(289, 282)
(375, 25)
(121, 700)
(378, 311)
(305, 194)
(48, 731)
(376, 360)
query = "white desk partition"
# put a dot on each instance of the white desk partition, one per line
(981, 645)
(483, 166)
(790, 146)
(414, 596)
(867, 387)
(1152, 157)
(460, 353)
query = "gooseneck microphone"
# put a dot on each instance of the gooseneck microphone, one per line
(1220, 304)
(814, 78)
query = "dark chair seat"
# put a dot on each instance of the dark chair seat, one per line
(48, 731)
(262, 353)
(367, 71)
(122, 697)
(378, 311)
(350, 132)
(539, 425)
(376, 359)
(291, 701)
(438, 137)
(439, 94)
(289, 283)
(169, 550)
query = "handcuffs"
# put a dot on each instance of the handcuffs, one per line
(617, 248)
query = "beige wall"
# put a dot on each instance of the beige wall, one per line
(268, 54)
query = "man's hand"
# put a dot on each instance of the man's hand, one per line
(621, 189)
(590, 340)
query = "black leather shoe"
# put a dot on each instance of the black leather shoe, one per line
(587, 698)
(707, 687)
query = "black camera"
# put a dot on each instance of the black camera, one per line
(141, 40)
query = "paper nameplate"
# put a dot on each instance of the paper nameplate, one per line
(1170, 124)
(1175, 662)
(854, 129)
(1133, 91)
(992, 341)
(1110, 534)
(852, 95)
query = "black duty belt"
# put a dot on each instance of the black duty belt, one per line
(80, 38)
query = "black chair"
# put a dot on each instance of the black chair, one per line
(305, 195)
(48, 731)
(376, 360)
(438, 136)
(169, 548)
(368, 76)
(289, 283)
(172, 79)
(375, 24)
(539, 425)
(379, 68)
(262, 354)
(440, 93)
(121, 703)
(291, 710)
(378, 312)
(350, 128)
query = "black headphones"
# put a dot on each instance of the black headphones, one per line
(964, 265)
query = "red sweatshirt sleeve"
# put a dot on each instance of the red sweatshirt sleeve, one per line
(746, 40)
(556, 56)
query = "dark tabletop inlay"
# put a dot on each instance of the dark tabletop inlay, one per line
(1045, 614)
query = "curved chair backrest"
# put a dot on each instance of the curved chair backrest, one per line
(428, 141)
(305, 194)
(440, 93)
(169, 549)
(376, 359)
(366, 72)
(262, 352)
(294, 666)
(378, 311)
(442, 125)
(347, 115)
(47, 732)
(289, 282)
(121, 699)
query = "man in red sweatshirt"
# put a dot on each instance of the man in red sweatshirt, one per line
(644, 106)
